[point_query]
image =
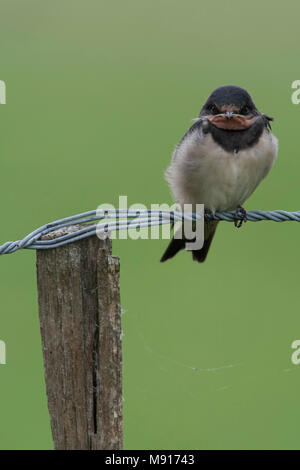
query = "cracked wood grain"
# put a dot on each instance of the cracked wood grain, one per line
(80, 318)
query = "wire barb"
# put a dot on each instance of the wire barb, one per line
(126, 219)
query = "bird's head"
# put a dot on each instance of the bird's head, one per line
(230, 108)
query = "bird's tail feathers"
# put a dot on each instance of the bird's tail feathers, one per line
(178, 244)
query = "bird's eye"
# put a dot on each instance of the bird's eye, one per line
(245, 110)
(213, 109)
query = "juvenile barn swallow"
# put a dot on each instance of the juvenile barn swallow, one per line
(221, 160)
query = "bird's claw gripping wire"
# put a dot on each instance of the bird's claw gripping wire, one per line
(240, 216)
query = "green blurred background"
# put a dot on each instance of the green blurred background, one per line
(98, 94)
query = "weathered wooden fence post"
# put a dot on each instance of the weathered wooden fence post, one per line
(80, 317)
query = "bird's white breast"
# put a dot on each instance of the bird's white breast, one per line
(201, 172)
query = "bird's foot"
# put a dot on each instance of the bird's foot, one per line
(240, 216)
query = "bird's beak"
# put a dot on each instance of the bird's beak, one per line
(229, 114)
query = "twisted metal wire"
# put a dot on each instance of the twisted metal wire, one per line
(126, 219)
